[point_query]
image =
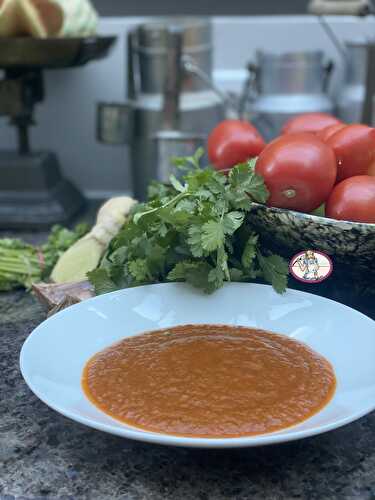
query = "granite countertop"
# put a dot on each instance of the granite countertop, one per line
(45, 455)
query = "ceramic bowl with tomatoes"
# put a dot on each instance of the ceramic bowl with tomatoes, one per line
(351, 245)
(316, 161)
(333, 167)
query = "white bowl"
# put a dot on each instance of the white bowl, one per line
(53, 356)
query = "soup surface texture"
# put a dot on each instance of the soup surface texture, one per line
(209, 381)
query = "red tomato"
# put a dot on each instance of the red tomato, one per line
(232, 142)
(327, 132)
(371, 170)
(354, 147)
(309, 122)
(299, 171)
(353, 199)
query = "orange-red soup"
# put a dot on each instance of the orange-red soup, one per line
(211, 381)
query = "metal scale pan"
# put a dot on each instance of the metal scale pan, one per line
(52, 53)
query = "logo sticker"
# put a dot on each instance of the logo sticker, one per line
(311, 266)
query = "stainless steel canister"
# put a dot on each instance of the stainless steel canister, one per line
(162, 121)
(351, 97)
(150, 45)
(283, 85)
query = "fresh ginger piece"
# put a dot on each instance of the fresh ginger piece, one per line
(77, 261)
(86, 253)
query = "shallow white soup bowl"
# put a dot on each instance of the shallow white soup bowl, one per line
(54, 355)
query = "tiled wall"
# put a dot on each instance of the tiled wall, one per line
(66, 120)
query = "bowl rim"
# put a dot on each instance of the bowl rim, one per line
(327, 221)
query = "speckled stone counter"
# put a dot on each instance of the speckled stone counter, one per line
(45, 455)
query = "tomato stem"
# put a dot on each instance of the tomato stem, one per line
(289, 193)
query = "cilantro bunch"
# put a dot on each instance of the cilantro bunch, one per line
(22, 264)
(193, 230)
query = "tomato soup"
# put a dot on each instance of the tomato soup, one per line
(212, 381)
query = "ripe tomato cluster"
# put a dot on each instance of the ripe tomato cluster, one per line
(316, 160)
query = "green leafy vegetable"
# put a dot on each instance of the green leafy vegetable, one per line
(275, 271)
(22, 264)
(195, 230)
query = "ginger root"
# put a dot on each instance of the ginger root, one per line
(86, 253)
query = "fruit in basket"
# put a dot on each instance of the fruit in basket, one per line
(232, 142)
(299, 171)
(309, 122)
(354, 147)
(353, 199)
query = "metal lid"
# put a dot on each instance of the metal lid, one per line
(153, 36)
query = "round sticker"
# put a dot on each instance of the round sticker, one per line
(311, 266)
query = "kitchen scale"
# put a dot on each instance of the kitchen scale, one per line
(33, 191)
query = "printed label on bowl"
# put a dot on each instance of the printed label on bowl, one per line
(311, 266)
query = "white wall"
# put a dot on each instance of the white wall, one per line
(66, 120)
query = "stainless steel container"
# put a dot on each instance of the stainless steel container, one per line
(197, 106)
(351, 97)
(149, 52)
(283, 85)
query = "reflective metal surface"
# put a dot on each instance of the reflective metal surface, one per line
(351, 97)
(171, 108)
(286, 84)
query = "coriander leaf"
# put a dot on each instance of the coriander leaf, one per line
(174, 217)
(216, 184)
(194, 272)
(139, 270)
(186, 205)
(249, 252)
(198, 179)
(120, 256)
(176, 184)
(239, 175)
(204, 194)
(222, 262)
(152, 210)
(216, 278)
(212, 235)
(275, 271)
(251, 163)
(236, 274)
(257, 188)
(163, 230)
(179, 271)
(198, 155)
(232, 221)
(158, 190)
(243, 179)
(101, 281)
(195, 240)
(240, 201)
(186, 162)
(156, 259)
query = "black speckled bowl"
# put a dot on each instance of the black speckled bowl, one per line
(350, 244)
